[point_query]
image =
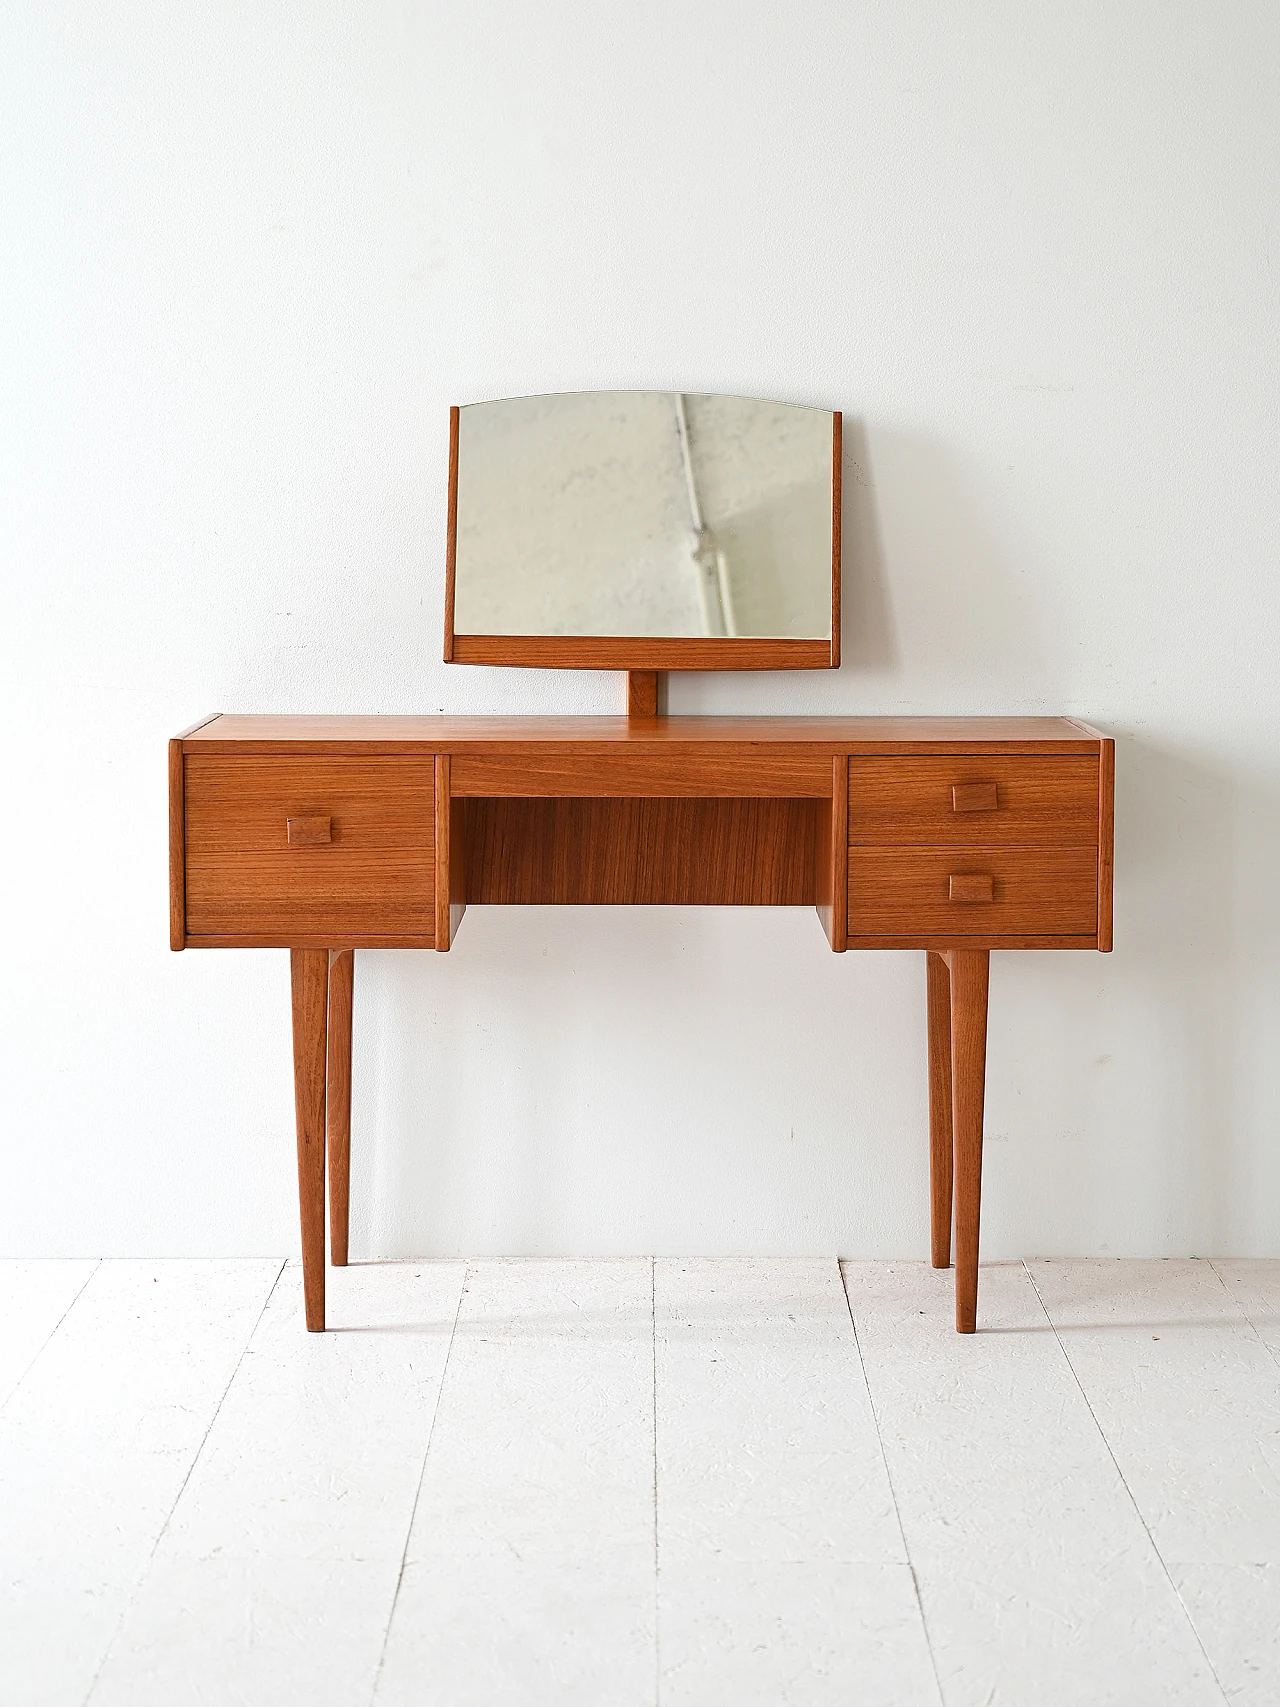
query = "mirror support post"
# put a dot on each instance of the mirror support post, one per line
(646, 693)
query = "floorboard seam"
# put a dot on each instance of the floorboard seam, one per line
(52, 1331)
(417, 1494)
(1191, 1625)
(657, 1604)
(195, 1459)
(893, 1492)
(1244, 1314)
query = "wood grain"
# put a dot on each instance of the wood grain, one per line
(941, 942)
(372, 736)
(971, 886)
(969, 973)
(457, 864)
(938, 1008)
(837, 529)
(338, 1101)
(201, 723)
(1106, 841)
(177, 849)
(639, 652)
(642, 693)
(318, 938)
(308, 832)
(451, 858)
(730, 853)
(286, 900)
(309, 979)
(451, 536)
(178, 833)
(911, 801)
(974, 797)
(1036, 891)
(242, 802)
(831, 854)
(443, 851)
(687, 771)
(375, 878)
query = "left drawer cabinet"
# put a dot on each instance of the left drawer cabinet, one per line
(309, 850)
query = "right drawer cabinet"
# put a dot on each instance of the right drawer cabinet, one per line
(971, 845)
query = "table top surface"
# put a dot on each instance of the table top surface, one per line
(396, 733)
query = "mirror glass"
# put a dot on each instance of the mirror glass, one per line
(651, 513)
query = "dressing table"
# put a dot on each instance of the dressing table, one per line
(953, 836)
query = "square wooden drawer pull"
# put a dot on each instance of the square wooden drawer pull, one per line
(308, 832)
(973, 797)
(972, 886)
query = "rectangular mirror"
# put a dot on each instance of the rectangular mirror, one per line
(644, 530)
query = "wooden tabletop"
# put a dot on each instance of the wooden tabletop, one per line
(440, 734)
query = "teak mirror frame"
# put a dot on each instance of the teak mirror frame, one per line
(639, 653)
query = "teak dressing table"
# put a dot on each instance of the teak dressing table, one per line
(954, 836)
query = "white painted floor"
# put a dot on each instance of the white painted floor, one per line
(626, 1483)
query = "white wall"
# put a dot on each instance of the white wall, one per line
(250, 254)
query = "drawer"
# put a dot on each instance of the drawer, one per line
(614, 769)
(283, 849)
(937, 892)
(970, 800)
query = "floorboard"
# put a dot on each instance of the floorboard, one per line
(95, 1444)
(284, 1550)
(529, 1570)
(1255, 1288)
(640, 1484)
(1178, 1361)
(782, 1573)
(1187, 1395)
(34, 1297)
(767, 1446)
(1038, 1579)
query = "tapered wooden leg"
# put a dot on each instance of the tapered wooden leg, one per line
(970, 972)
(309, 976)
(940, 1153)
(341, 975)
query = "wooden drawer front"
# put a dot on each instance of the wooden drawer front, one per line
(357, 862)
(973, 801)
(1033, 892)
(613, 770)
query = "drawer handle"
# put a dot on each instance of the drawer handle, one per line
(972, 886)
(974, 797)
(308, 832)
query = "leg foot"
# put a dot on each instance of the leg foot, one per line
(309, 977)
(970, 972)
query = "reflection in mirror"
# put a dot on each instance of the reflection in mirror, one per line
(643, 513)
